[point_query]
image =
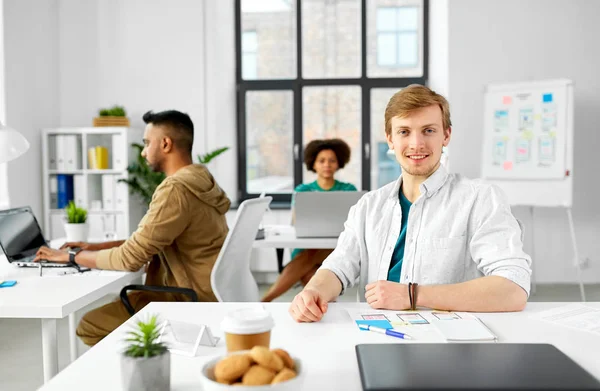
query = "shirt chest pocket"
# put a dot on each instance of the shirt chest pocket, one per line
(442, 260)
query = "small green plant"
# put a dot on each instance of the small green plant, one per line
(143, 339)
(75, 215)
(204, 159)
(115, 111)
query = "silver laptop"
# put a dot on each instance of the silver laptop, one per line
(321, 214)
(21, 237)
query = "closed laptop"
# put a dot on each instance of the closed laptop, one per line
(466, 366)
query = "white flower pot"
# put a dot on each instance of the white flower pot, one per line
(77, 232)
(146, 374)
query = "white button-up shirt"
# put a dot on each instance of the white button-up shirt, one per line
(458, 229)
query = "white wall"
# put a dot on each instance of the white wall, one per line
(513, 40)
(31, 75)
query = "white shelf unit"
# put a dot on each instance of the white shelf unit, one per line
(119, 214)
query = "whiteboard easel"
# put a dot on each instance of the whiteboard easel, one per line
(528, 147)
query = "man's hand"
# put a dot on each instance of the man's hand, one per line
(387, 295)
(50, 254)
(81, 245)
(308, 306)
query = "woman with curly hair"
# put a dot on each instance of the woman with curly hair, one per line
(325, 158)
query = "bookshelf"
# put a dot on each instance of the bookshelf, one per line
(112, 213)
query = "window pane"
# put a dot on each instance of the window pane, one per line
(269, 141)
(408, 18)
(408, 62)
(386, 49)
(386, 19)
(407, 50)
(249, 66)
(331, 39)
(249, 41)
(384, 167)
(334, 112)
(274, 24)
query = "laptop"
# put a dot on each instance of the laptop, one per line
(469, 367)
(322, 214)
(21, 237)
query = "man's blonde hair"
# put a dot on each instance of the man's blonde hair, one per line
(412, 98)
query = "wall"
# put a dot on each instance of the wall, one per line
(512, 40)
(31, 93)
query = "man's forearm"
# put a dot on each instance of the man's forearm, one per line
(326, 283)
(485, 294)
(107, 245)
(87, 259)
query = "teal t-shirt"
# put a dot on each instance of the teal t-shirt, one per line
(398, 254)
(314, 186)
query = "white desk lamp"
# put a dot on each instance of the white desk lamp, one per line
(12, 144)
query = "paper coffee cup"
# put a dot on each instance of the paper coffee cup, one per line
(246, 328)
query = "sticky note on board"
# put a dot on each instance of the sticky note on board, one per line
(547, 98)
(528, 135)
(506, 100)
(507, 166)
(384, 324)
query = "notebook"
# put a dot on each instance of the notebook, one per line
(464, 330)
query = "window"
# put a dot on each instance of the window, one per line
(249, 49)
(397, 40)
(310, 69)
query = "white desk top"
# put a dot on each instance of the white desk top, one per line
(53, 295)
(284, 236)
(326, 348)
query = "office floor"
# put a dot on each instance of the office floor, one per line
(21, 345)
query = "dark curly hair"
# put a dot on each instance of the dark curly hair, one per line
(338, 146)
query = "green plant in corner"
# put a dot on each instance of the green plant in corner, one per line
(205, 159)
(75, 215)
(143, 339)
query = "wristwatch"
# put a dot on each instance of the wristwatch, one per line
(72, 252)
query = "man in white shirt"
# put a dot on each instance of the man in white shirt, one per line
(430, 239)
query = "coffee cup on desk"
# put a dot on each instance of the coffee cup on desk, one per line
(246, 328)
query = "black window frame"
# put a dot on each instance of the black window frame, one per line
(297, 84)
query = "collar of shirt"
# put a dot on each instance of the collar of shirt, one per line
(427, 188)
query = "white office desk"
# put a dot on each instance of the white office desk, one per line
(53, 297)
(284, 236)
(326, 348)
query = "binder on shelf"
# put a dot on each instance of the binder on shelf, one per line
(108, 192)
(119, 152)
(101, 158)
(64, 190)
(80, 191)
(51, 153)
(121, 230)
(92, 158)
(121, 193)
(53, 185)
(60, 153)
(71, 152)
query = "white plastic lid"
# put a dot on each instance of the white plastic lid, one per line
(247, 321)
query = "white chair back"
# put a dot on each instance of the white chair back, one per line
(231, 278)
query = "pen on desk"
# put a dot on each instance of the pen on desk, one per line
(380, 330)
(40, 266)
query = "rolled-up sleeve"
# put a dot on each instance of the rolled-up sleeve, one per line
(496, 245)
(166, 219)
(345, 260)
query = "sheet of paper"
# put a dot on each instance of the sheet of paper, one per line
(575, 316)
(417, 324)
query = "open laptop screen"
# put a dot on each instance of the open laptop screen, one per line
(20, 234)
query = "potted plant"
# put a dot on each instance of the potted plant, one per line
(143, 181)
(113, 116)
(146, 362)
(76, 227)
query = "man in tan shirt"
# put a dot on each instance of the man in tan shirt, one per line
(179, 238)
